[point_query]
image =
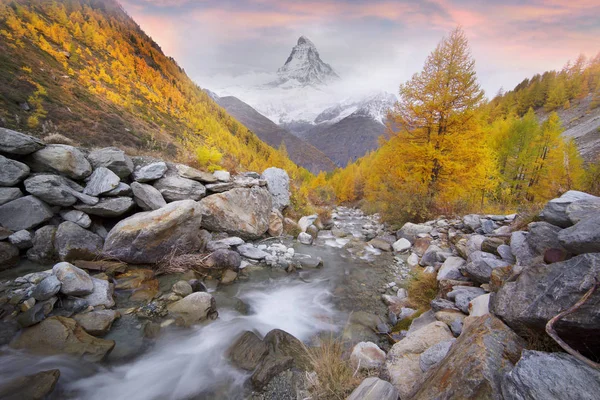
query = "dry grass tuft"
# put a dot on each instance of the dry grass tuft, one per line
(57, 138)
(422, 288)
(539, 341)
(336, 378)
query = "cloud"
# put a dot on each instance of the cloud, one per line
(387, 38)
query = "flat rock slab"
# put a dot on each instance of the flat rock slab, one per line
(31, 387)
(14, 142)
(9, 194)
(101, 181)
(24, 213)
(174, 188)
(12, 171)
(61, 159)
(108, 207)
(147, 197)
(72, 242)
(57, 190)
(112, 158)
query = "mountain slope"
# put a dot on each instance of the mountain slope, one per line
(347, 140)
(299, 151)
(86, 70)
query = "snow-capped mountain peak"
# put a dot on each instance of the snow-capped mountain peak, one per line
(304, 67)
(374, 106)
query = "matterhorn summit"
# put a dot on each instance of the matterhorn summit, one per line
(304, 67)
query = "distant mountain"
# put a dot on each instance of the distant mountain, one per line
(299, 151)
(305, 67)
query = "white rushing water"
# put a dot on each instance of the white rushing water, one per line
(191, 363)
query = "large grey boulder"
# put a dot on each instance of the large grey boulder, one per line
(47, 288)
(583, 237)
(543, 236)
(62, 159)
(9, 255)
(242, 212)
(11, 171)
(175, 188)
(149, 172)
(583, 209)
(411, 232)
(43, 250)
(9, 194)
(102, 294)
(112, 158)
(248, 250)
(109, 207)
(101, 181)
(278, 183)
(191, 173)
(540, 375)
(476, 363)
(74, 281)
(97, 323)
(57, 190)
(147, 197)
(31, 387)
(520, 248)
(542, 291)
(72, 242)
(13, 142)
(148, 237)
(374, 388)
(555, 211)
(24, 213)
(473, 221)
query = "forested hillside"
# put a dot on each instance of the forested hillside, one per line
(452, 151)
(83, 69)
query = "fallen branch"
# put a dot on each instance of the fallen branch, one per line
(552, 332)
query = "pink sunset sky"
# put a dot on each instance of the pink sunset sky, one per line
(386, 41)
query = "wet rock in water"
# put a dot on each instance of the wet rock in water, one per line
(275, 223)
(149, 172)
(412, 231)
(305, 238)
(182, 288)
(269, 367)
(8, 330)
(194, 308)
(402, 364)
(311, 262)
(37, 313)
(367, 356)
(191, 173)
(281, 343)
(14, 142)
(60, 335)
(374, 389)
(12, 171)
(73, 305)
(583, 237)
(47, 288)
(307, 221)
(433, 355)
(109, 207)
(24, 213)
(147, 197)
(9, 194)
(102, 294)
(540, 375)
(112, 158)
(150, 236)
(61, 159)
(57, 190)
(248, 351)
(475, 365)
(78, 217)
(72, 242)
(229, 276)
(74, 281)
(97, 323)
(197, 285)
(224, 243)
(523, 304)
(555, 211)
(43, 250)
(31, 387)
(174, 188)
(223, 259)
(101, 181)
(381, 244)
(278, 184)
(241, 212)
(248, 250)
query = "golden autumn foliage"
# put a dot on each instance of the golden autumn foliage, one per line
(450, 151)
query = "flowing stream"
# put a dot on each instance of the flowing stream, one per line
(192, 363)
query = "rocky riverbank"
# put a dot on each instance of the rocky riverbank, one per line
(114, 265)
